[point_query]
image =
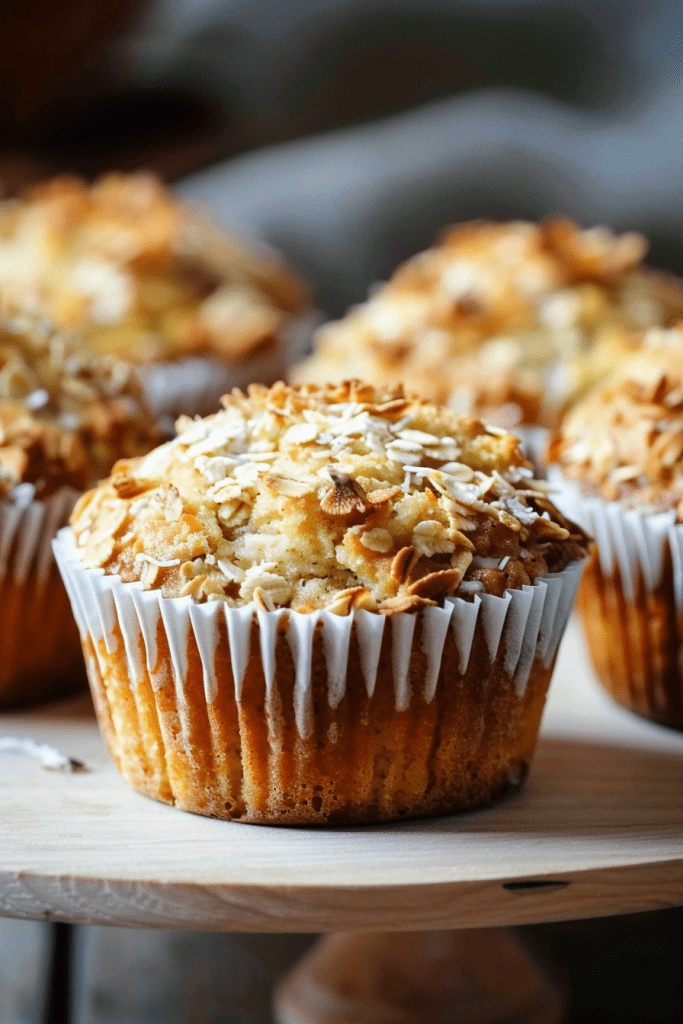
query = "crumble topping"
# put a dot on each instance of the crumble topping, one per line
(65, 415)
(340, 497)
(625, 441)
(508, 322)
(138, 274)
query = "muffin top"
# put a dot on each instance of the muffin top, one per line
(339, 497)
(494, 391)
(624, 441)
(65, 415)
(138, 274)
(547, 304)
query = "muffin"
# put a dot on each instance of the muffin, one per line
(504, 321)
(143, 278)
(322, 605)
(65, 418)
(619, 472)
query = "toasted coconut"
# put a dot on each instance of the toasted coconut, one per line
(385, 408)
(338, 524)
(364, 601)
(440, 583)
(403, 563)
(480, 321)
(507, 520)
(377, 539)
(288, 486)
(127, 486)
(594, 254)
(404, 603)
(263, 600)
(193, 587)
(345, 495)
(462, 560)
(355, 597)
(462, 540)
(546, 528)
(386, 494)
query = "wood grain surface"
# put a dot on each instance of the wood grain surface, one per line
(597, 831)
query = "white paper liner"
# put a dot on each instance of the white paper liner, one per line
(528, 622)
(633, 540)
(26, 532)
(534, 443)
(196, 384)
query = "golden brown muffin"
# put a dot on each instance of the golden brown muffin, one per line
(145, 279)
(339, 581)
(507, 321)
(495, 391)
(65, 417)
(620, 452)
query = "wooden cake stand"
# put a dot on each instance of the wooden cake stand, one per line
(598, 830)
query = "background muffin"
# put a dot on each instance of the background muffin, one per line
(65, 417)
(547, 309)
(345, 586)
(620, 453)
(145, 279)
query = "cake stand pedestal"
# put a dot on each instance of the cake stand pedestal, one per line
(598, 830)
(480, 976)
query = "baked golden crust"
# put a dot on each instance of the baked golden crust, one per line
(625, 440)
(65, 415)
(495, 390)
(242, 758)
(41, 650)
(138, 274)
(635, 644)
(547, 307)
(341, 497)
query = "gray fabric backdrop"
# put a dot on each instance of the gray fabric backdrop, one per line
(497, 107)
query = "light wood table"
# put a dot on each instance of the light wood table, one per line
(597, 831)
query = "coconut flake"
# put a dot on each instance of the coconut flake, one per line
(168, 564)
(49, 757)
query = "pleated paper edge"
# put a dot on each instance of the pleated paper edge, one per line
(528, 622)
(635, 541)
(198, 382)
(26, 533)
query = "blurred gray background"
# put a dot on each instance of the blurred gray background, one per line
(348, 132)
(461, 110)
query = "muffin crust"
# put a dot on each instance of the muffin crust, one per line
(625, 441)
(547, 309)
(137, 274)
(65, 415)
(344, 497)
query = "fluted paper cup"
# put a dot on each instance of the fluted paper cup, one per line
(195, 385)
(631, 601)
(313, 718)
(39, 647)
(534, 443)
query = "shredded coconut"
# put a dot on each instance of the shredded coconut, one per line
(90, 257)
(141, 557)
(625, 441)
(49, 757)
(510, 340)
(308, 525)
(66, 413)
